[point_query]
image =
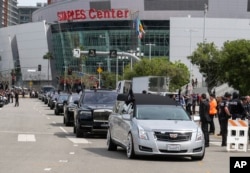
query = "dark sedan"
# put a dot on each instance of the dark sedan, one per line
(62, 98)
(52, 101)
(69, 108)
(2, 102)
(92, 112)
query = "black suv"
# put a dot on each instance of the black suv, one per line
(69, 108)
(92, 112)
(44, 90)
(60, 101)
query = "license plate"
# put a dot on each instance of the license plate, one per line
(174, 147)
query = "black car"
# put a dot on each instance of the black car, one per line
(60, 101)
(52, 100)
(44, 90)
(2, 102)
(92, 112)
(69, 108)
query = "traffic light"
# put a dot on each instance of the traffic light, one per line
(92, 53)
(39, 67)
(113, 53)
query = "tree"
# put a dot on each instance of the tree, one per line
(207, 58)
(177, 72)
(236, 64)
(108, 80)
(48, 56)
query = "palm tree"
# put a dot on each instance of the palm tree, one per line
(48, 56)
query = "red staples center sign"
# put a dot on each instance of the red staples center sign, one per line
(80, 14)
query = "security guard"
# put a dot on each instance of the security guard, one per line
(236, 107)
(224, 115)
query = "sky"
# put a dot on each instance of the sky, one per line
(29, 2)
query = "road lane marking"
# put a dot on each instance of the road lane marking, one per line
(78, 140)
(38, 133)
(26, 138)
(63, 161)
(65, 131)
(47, 169)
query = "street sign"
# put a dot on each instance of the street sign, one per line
(99, 70)
(77, 53)
(92, 53)
(113, 53)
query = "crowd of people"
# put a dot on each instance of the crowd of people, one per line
(230, 106)
(11, 95)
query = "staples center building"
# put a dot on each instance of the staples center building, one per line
(172, 29)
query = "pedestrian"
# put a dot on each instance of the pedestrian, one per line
(224, 115)
(196, 83)
(204, 117)
(12, 96)
(193, 83)
(188, 102)
(236, 107)
(246, 106)
(16, 99)
(219, 100)
(194, 103)
(212, 113)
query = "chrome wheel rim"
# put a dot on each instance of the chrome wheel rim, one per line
(129, 146)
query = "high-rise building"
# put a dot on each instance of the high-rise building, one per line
(25, 13)
(8, 13)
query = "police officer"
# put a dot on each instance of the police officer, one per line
(236, 107)
(204, 117)
(224, 115)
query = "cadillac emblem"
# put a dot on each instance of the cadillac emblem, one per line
(173, 135)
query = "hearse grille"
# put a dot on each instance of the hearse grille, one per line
(173, 136)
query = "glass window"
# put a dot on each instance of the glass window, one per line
(160, 112)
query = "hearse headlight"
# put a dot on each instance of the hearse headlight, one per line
(142, 133)
(199, 135)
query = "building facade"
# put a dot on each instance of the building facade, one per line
(25, 13)
(8, 13)
(172, 30)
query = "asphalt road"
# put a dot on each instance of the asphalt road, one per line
(34, 140)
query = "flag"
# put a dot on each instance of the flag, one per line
(139, 28)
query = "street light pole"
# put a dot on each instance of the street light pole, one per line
(204, 27)
(99, 74)
(150, 45)
(190, 50)
(116, 77)
(64, 82)
(107, 46)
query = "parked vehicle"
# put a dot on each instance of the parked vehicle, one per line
(60, 101)
(52, 100)
(44, 90)
(92, 112)
(151, 124)
(2, 101)
(69, 108)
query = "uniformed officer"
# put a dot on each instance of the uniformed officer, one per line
(224, 115)
(236, 107)
(204, 117)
